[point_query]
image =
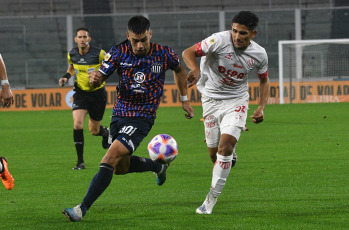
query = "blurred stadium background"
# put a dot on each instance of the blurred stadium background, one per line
(35, 35)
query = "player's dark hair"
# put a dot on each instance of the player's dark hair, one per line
(246, 18)
(138, 24)
(81, 28)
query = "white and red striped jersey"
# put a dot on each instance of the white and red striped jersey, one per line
(224, 69)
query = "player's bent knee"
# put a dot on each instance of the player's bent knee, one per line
(226, 150)
(120, 171)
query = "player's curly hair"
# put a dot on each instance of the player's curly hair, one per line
(246, 18)
(138, 24)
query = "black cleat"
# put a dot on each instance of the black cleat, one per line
(105, 138)
(233, 162)
(79, 166)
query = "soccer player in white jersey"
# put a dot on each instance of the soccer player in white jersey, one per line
(226, 59)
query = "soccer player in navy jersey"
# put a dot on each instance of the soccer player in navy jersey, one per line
(141, 66)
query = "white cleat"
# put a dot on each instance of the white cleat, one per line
(207, 206)
(73, 214)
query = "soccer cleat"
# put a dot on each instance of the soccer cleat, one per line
(79, 166)
(207, 206)
(235, 159)
(161, 176)
(105, 138)
(6, 176)
(73, 214)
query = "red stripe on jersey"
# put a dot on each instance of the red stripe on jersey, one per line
(198, 50)
(263, 75)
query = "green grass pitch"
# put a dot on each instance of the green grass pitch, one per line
(292, 173)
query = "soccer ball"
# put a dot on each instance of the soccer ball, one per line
(162, 149)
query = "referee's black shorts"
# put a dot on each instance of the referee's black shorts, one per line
(94, 102)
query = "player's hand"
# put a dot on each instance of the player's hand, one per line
(193, 77)
(62, 81)
(187, 107)
(95, 79)
(6, 96)
(258, 116)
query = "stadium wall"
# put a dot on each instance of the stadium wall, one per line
(296, 92)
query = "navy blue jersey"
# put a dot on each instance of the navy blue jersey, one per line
(141, 78)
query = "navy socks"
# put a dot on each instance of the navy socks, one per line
(97, 186)
(140, 164)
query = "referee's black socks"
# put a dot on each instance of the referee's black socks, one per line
(79, 144)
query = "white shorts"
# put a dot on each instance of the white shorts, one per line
(223, 117)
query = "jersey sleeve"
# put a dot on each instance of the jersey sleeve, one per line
(207, 46)
(262, 69)
(101, 56)
(69, 59)
(110, 62)
(173, 59)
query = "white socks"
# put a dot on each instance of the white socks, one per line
(1, 167)
(221, 170)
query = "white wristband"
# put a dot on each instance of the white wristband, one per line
(184, 98)
(4, 82)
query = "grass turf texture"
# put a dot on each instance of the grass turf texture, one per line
(292, 173)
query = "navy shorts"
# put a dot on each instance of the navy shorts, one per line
(94, 102)
(130, 131)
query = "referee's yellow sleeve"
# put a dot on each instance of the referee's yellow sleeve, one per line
(69, 60)
(101, 56)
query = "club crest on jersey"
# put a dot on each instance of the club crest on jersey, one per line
(106, 58)
(139, 77)
(156, 68)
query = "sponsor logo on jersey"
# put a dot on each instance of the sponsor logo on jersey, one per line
(82, 60)
(89, 70)
(156, 68)
(229, 56)
(125, 64)
(139, 77)
(105, 65)
(231, 73)
(106, 58)
(138, 88)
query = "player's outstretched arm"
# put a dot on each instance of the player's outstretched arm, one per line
(181, 82)
(258, 115)
(189, 58)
